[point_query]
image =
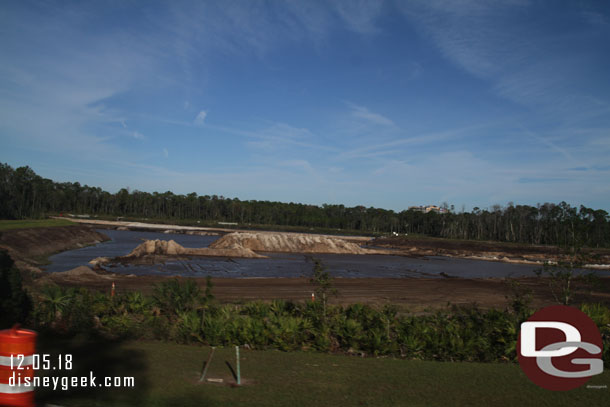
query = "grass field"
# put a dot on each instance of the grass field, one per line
(167, 375)
(30, 223)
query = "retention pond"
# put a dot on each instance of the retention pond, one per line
(282, 264)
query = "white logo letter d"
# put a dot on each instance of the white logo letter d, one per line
(528, 338)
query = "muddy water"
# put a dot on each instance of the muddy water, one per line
(282, 264)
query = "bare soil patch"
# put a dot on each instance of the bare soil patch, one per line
(499, 251)
(417, 294)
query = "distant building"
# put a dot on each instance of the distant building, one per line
(428, 208)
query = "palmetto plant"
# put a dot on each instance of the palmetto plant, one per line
(175, 296)
(256, 309)
(349, 332)
(136, 303)
(288, 333)
(456, 333)
(53, 301)
(188, 327)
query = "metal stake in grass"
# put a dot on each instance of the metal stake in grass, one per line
(237, 362)
(207, 365)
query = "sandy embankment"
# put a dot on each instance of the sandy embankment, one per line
(29, 247)
(598, 258)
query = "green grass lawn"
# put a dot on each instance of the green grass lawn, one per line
(167, 375)
(31, 223)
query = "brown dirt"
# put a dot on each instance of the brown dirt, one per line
(30, 247)
(508, 252)
(77, 275)
(416, 294)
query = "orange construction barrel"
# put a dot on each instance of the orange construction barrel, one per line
(13, 388)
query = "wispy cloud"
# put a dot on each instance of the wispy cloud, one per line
(521, 59)
(200, 118)
(360, 15)
(362, 112)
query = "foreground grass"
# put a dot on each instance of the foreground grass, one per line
(31, 223)
(167, 375)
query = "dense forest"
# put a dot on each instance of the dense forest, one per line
(24, 194)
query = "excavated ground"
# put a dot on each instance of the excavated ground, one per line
(498, 251)
(418, 294)
(29, 248)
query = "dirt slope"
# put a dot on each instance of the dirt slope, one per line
(497, 251)
(28, 246)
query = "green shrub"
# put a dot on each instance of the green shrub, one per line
(599, 313)
(179, 312)
(176, 296)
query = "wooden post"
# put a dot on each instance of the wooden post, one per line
(207, 365)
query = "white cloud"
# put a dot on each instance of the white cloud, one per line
(359, 15)
(200, 119)
(165, 153)
(137, 135)
(362, 112)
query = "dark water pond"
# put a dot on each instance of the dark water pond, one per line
(282, 264)
(121, 243)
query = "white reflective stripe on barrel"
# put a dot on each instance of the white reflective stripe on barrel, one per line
(7, 389)
(6, 361)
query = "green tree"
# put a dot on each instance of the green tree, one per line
(323, 284)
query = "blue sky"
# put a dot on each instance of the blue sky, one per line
(380, 103)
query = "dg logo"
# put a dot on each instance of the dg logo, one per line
(560, 348)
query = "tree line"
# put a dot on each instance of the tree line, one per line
(24, 194)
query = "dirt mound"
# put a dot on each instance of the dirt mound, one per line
(157, 247)
(79, 273)
(99, 261)
(289, 242)
(171, 248)
(245, 245)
